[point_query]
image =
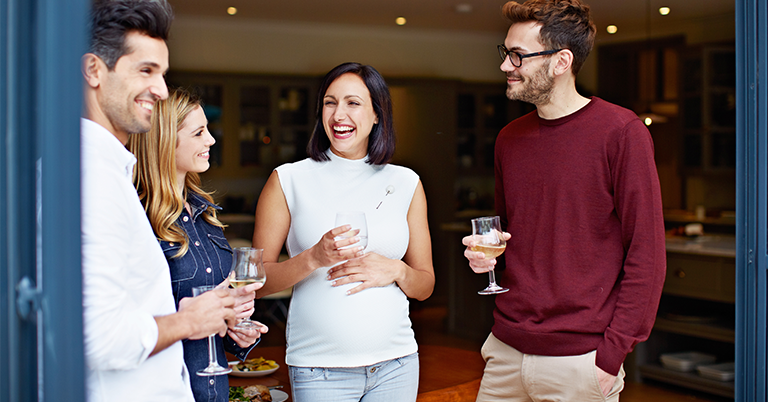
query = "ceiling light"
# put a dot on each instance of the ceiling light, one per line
(464, 8)
(231, 10)
(400, 20)
(612, 29)
(650, 118)
(664, 10)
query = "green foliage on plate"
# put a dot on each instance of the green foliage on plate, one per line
(237, 394)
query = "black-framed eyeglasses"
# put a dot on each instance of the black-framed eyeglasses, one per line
(517, 59)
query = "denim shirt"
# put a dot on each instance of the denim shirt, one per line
(207, 262)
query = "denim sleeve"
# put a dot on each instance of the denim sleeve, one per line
(241, 353)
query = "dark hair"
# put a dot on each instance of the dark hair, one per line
(111, 20)
(565, 24)
(381, 140)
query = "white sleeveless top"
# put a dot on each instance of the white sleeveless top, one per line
(326, 327)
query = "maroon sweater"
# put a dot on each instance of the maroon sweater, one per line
(586, 262)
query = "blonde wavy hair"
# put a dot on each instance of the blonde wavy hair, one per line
(155, 176)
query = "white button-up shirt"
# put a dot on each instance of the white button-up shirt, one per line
(126, 283)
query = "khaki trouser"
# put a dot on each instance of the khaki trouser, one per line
(513, 376)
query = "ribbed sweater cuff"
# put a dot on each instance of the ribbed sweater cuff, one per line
(609, 358)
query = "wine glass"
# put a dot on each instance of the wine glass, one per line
(247, 268)
(486, 232)
(213, 365)
(357, 221)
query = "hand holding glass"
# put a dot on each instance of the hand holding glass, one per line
(247, 268)
(486, 232)
(213, 366)
(357, 221)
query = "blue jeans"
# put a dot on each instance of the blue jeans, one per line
(391, 380)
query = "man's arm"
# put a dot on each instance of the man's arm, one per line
(637, 196)
(197, 318)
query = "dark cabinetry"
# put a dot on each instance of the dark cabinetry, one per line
(259, 122)
(482, 110)
(709, 109)
(696, 314)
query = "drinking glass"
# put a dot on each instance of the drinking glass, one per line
(213, 366)
(247, 268)
(486, 232)
(357, 221)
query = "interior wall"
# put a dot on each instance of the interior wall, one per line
(269, 47)
(223, 44)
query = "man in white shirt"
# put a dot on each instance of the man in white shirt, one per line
(132, 329)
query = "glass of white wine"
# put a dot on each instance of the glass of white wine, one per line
(486, 232)
(247, 268)
(357, 221)
(214, 368)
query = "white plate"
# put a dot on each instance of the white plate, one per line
(720, 372)
(685, 361)
(278, 396)
(257, 373)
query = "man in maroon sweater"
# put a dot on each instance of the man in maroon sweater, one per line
(578, 195)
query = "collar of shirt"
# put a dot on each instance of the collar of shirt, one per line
(108, 144)
(198, 204)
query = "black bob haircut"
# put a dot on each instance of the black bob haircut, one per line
(381, 141)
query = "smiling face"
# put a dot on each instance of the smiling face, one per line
(533, 81)
(348, 116)
(128, 93)
(193, 144)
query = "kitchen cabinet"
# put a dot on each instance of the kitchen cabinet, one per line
(708, 109)
(697, 312)
(259, 122)
(482, 110)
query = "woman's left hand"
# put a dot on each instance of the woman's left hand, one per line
(245, 337)
(372, 269)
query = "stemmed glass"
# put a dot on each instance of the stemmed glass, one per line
(213, 365)
(486, 232)
(357, 221)
(247, 268)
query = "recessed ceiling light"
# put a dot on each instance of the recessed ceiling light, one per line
(612, 29)
(231, 10)
(464, 8)
(664, 10)
(400, 20)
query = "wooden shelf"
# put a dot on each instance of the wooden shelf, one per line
(707, 331)
(689, 380)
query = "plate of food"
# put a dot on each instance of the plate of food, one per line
(256, 367)
(256, 393)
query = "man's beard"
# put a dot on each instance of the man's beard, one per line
(536, 89)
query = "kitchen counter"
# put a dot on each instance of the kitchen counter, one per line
(714, 245)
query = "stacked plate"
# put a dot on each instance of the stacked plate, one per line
(685, 361)
(720, 372)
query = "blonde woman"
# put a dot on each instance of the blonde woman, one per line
(183, 216)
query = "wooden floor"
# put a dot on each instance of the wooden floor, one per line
(428, 323)
(636, 392)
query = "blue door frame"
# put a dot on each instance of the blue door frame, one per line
(41, 326)
(751, 198)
